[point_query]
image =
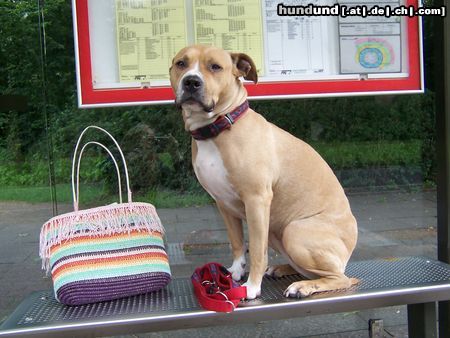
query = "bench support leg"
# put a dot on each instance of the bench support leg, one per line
(376, 329)
(422, 320)
(444, 319)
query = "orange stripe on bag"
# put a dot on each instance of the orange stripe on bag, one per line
(98, 238)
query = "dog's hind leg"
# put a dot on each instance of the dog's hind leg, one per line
(280, 271)
(236, 236)
(320, 250)
(305, 288)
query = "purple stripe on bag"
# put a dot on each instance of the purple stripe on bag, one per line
(104, 289)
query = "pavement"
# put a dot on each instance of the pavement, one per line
(390, 224)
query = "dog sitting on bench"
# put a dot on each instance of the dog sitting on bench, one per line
(258, 173)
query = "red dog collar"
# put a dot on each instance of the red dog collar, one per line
(219, 125)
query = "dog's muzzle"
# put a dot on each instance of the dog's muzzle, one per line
(193, 92)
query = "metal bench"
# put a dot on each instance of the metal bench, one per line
(417, 282)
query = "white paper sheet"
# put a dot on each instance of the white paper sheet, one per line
(295, 45)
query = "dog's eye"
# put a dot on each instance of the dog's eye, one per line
(215, 67)
(180, 64)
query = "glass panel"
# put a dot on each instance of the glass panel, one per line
(380, 148)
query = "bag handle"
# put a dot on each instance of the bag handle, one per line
(75, 192)
(112, 157)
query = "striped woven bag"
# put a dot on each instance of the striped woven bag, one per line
(107, 252)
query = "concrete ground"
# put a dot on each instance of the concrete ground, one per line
(390, 224)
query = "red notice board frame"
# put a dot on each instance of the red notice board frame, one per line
(89, 97)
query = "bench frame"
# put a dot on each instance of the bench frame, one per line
(418, 282)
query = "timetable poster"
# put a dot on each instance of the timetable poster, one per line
(151, 32)
(233, 25)
(295, 44)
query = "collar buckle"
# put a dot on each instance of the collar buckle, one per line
(229, 118)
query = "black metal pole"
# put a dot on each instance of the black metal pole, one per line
(442, 64)
(50, 157)
(422, 320)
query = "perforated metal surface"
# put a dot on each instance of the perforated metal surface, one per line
(391, 282)
(395, 272)
(178, 296)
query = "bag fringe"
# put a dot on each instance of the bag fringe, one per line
(106, 220)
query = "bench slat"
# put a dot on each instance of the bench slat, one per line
(383, 283)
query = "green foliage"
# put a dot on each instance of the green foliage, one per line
(170, 199)
(150, 173)
(348, 155)
(94, 194)
(348, 119)
(350, 132)
(21, 71)
(89, 194)
(428, 151)
(35, 172)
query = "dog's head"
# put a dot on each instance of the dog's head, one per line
(206, 79)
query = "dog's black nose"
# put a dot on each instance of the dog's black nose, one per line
(192, 83)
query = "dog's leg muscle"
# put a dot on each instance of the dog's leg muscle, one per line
(236, 236)
(257, 209)
(323, 256)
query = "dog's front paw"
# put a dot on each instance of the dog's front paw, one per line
(237, 269)
(253, 290)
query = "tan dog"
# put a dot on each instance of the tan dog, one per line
(260, 174)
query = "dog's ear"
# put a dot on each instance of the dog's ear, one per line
(244, 66)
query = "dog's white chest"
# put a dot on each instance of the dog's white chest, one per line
(212, 174)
